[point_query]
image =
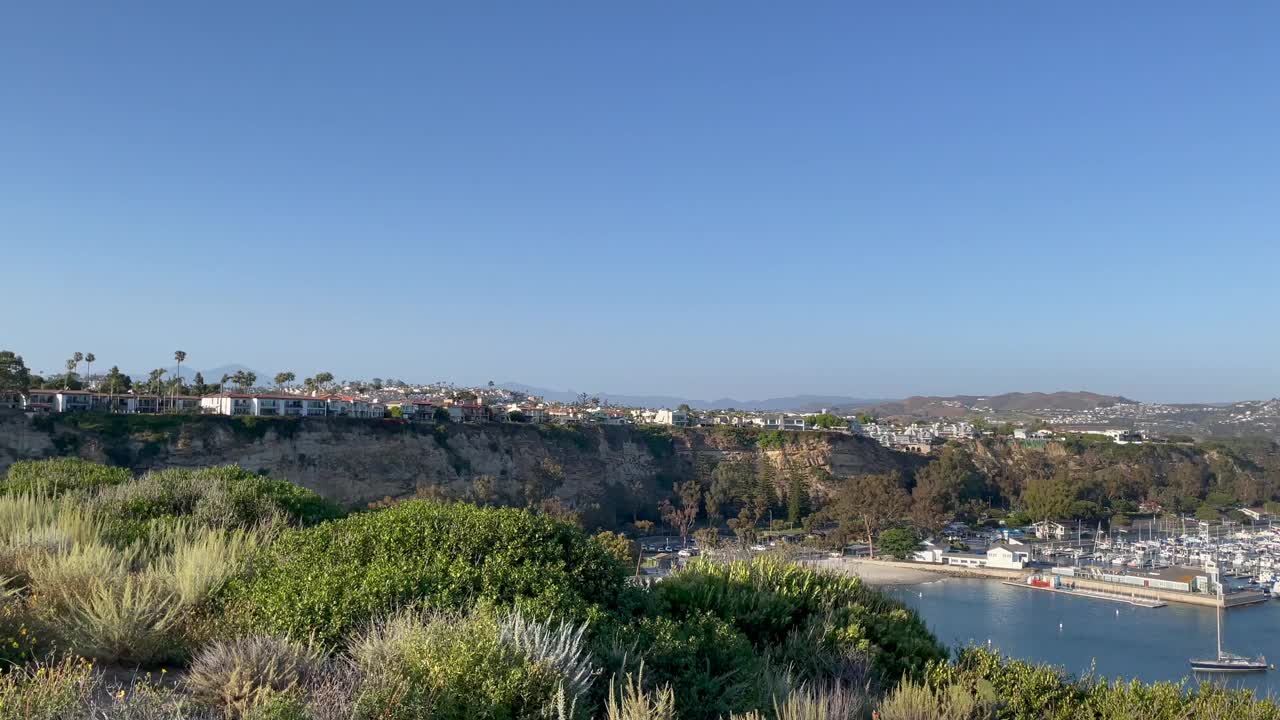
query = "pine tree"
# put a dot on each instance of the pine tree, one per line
(797, 499)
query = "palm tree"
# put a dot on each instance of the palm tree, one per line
(88, 361)
(284, 378)
(222, 384)
(178, 355)
(72, 363)
(154, 380)
(244, 379)
(113, 380)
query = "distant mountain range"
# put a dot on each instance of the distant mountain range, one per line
(793, 403)
(1016, 402)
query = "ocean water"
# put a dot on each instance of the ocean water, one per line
(1079, 634)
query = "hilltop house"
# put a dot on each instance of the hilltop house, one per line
(677, 418)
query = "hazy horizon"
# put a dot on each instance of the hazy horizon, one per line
(737, 200)
(635, 390)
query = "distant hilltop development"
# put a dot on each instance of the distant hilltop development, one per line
(916, 423)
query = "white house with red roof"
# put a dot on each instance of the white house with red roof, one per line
(264, 405)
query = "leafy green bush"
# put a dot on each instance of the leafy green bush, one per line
(709, 666)
(767, 600)
(772, 439)
(51, 478)
(329, 579)
(659, 440)
(1025, 690)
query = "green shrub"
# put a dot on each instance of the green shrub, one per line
(710, 667)
(59, 475)
(1021, 689)
(329, 579)
(767, 600)
(772, 439)
(240, 676)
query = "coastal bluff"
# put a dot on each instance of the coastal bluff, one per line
(607, 473)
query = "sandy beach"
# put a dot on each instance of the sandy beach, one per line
(874, 573)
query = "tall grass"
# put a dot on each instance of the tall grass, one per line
(202, 560)
(133, 622)
(478, 664)
(629, 700)
(917, 701)
(63, 578)
(114, 602)
(45, 523)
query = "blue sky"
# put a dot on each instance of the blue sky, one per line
(707, 199)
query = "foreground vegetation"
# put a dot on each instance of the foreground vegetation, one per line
(221, 593)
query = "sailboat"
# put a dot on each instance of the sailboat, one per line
(1228, 662)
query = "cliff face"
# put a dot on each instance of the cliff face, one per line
(607, 473)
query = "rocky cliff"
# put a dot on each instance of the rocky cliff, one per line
(605, 472)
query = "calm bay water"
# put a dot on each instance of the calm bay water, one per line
(1149, 644)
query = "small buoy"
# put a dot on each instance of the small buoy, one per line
(1117, 612)
(1059, 626)
(921, 594)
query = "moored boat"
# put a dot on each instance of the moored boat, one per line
(1225, 661)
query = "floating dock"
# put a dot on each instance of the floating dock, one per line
(1093, 594)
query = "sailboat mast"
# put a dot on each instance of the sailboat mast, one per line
(1220, 603)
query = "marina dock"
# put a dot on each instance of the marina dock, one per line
(1093, 594)
(1234, 599)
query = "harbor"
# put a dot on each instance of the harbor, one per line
(1109, 639)
(1153, 562)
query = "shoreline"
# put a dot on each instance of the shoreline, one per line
(876, 572)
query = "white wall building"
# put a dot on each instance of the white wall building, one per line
(261, 405)
(1006, 557)
(678, 418)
